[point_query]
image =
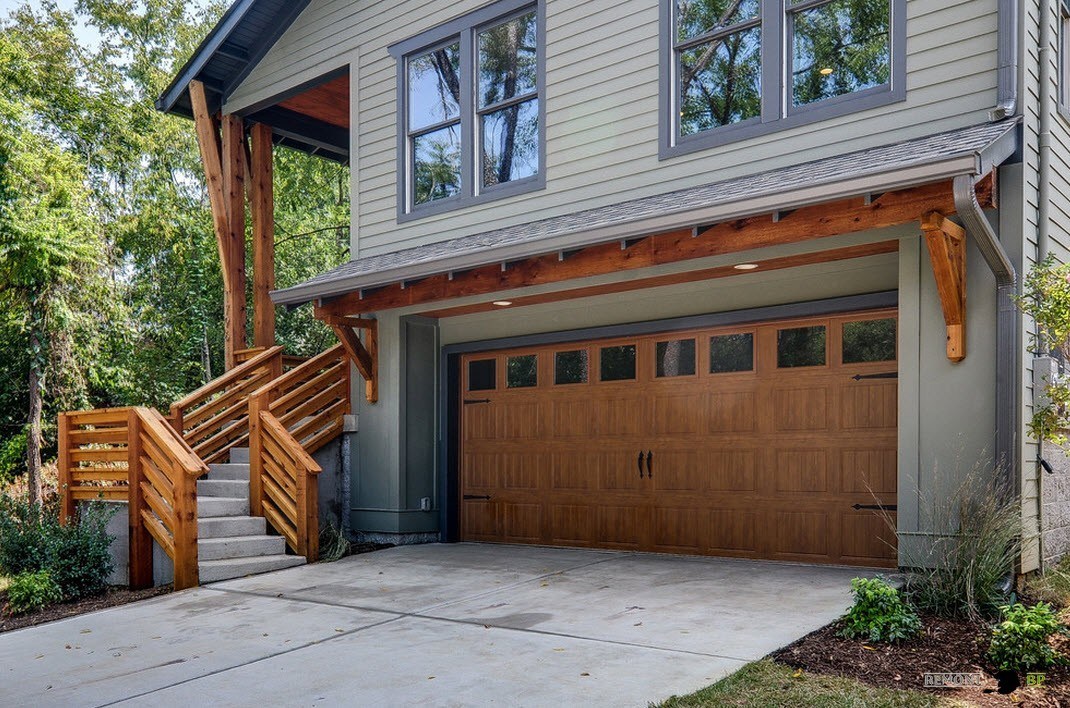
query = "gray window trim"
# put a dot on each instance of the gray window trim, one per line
(466, 28)
(1062, 37)
(777, 112)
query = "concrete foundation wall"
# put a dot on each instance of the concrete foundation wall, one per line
(1055, 507)
(163, 570)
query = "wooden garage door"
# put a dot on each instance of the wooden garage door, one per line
(776, 441)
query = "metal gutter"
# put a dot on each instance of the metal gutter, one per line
(975, 162)
(1007, 59)
(1007, 321)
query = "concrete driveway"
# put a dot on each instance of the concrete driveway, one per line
(449, 625)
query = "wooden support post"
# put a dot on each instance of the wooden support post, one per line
(233, 154)
(312, 519)
(187, 574)
(364, 354)
(262, 209)
(947, 252)
(256, 456)
(63, 461)
(140, 540)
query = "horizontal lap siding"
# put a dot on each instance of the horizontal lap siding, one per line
(602, 104)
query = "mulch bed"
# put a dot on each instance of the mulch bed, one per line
(946, 646)
(113, 597)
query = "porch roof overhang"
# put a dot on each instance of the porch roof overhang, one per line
(241, 38)
(973, 151)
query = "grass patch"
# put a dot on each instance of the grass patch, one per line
(1053, 587)
(768, 685)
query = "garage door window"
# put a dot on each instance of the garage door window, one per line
(869, 341)
(731, 353)
(675, 358)
(522, 371)
(800, 346)
(570, 367)
(617, 363)
(482, 375)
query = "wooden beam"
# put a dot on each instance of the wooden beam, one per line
(947, 253)
(806, 224)
(691, 276)
(233, 163)
(262, 209)
(365, 355)
(208, 142)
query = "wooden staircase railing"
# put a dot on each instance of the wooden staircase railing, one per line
(134, 455)
(215, 418)
(292, 417)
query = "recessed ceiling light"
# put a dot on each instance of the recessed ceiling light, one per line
(502, 303)
(746, 266)
(826, 71)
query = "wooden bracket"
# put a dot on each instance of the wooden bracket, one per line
(947, 252)
(365, 355)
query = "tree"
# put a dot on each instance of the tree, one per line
(1046, 298)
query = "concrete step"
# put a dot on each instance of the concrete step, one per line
(239, 454)
(230, 526)
(233, 488)
(210, 549)
(215, 570)
(233, 470)
(222, 506)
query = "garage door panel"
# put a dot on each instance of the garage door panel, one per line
(619, 470)
(800, 409)
(522, 469)
(520, 421)
(481, 520)
(679, 414)
(479, 422)
(802, 471)
(801, 533)
(572, 524)
(575, 470)
(521, 522)
(868, 537)
(733, 530)
(480, 470)
(571, 417)
(619, 416)
(869, 406)
(733, 412)
(732, 470)
(680, 471)
(869, 472)
(681, 529)
(621, 526)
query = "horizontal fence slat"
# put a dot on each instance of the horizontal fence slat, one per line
(103, 493)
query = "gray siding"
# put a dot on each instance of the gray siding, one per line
(602, 104)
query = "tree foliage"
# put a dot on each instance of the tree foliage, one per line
(110, 286)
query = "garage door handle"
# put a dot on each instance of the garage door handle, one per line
(876, 507)
(650, 464)
(476, 496)
(473, 401)
(640, 464)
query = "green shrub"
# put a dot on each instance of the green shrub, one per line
(966, 571)
(32, 591)
(23, 536)
(79, 557)
(1020, 641)
(12, 456)
(76, 555)
(879, 613)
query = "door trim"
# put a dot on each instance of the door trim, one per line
(450, 357)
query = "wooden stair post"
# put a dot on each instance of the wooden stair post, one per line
(140, 539)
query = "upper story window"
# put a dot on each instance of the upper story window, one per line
(471, 124)
(738, 68)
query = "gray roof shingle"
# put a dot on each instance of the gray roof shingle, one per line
(491, 246)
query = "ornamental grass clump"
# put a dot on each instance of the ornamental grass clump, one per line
(1021, 640)
(879, 613)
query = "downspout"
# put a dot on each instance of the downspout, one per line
(978, 226)
(1007, 58)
